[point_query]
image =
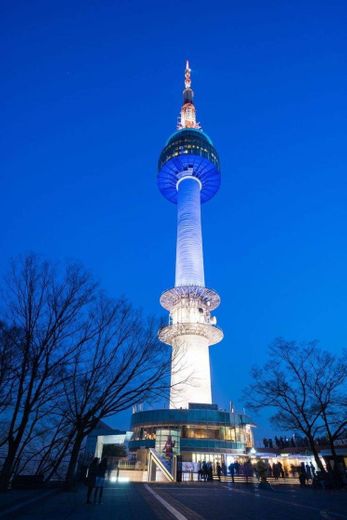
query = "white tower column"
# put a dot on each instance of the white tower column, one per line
(191, 330)
(190, 374)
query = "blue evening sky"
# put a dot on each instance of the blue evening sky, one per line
(90, 90)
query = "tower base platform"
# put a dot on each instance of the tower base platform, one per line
(185, 438)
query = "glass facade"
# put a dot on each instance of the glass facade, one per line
(203, 429)
(192, 142)
(202, 415)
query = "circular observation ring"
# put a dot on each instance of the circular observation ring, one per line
(208, 297)
(192, 151)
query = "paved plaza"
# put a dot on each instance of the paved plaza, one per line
(195, 501)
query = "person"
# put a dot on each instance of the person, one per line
(262, 469)
(281, 470)
(209, 472)
(204, 471)
(232, 471)
(219, 471)
(198, 470)
(248, 469)
(179, 469)
(100, 480)
(91, 478)
(276, 471)
(269, 470)
(313, 470)
(224, 469)
(302, 475)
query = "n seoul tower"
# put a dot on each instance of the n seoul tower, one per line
(188, 176)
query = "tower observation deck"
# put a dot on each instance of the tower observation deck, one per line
(189, 175)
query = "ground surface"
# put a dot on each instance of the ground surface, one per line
(195, 501)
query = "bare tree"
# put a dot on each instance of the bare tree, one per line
(123, 365)
(328, 386)
(50, 312)
(78, 357)
(304, 387)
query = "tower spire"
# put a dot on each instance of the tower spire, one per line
(187, 117)
(187, 80)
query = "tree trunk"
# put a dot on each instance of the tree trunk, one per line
(315, 453)
(331, 441)
(71, 470)
(338, 473)
(13, 445)
(59, 459)
(7, 468)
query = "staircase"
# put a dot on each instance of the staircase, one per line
(155, 460)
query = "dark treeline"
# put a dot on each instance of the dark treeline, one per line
(69, 357)
(297, 441)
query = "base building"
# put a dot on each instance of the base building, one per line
(193, 428)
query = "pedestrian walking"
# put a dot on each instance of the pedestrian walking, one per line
(91, 478)
(100, 480)
(219, 470)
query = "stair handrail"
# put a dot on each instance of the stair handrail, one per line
(158, 459)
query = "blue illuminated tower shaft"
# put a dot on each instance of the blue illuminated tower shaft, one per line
(189, 252)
